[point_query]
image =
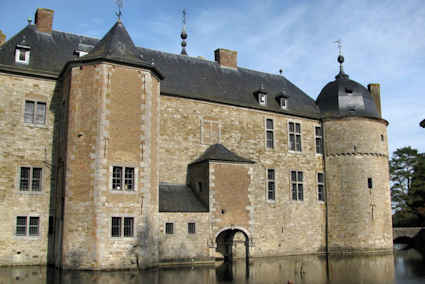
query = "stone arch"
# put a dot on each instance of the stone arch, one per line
(225, 241)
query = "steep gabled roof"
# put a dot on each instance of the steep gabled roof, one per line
(218, 152)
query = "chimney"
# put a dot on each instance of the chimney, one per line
(2, 38)
(226, 58)
(375, 91)
(44, 20)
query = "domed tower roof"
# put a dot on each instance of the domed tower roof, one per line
(344, 97)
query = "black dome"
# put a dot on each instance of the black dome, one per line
(345, 97)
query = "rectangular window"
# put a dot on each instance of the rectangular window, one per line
(294, 130)
(271, 190)
(118, 179)
(269, 133)
(116, 227)
(369, 183)
(320, 187)
(128, 226)
(297, 185)
(319, 140)
(35, 112)
(27, 225)
(30, 179)
(191, 228)
(22, 54)
(169, 228)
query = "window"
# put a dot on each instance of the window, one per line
(27, 226)
(30, 179)
(35, 112)
(262, 99)
(369, 183)
(191, 228)
(297, 185)
(271, 184)
(169, 228)
(320, 187)
(283, 102)
(199, 187)
(22, 54)
(117, 230)
(210, 132)
(382, 137)
(269, 133)
(122, 175)
(319, 140)
(294, 136)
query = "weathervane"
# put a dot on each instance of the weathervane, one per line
(183, 35)
(120, 4)
(341, 74)
(339, 44)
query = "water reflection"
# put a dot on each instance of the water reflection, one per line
(403, 267)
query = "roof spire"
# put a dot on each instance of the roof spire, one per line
(120, 4)
(341, 74)
(183, 35)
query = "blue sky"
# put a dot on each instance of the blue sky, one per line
(383, 41)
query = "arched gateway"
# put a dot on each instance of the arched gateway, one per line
(226, 242)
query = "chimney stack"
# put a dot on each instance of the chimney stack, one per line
(375, 91)
(44, 20)
(2, 38)
(226, 58)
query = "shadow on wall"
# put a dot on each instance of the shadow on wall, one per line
(144, 249)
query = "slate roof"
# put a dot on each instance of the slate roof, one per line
(185, 76)
(218, 152)
(179, 198)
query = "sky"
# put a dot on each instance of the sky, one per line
(382, 41)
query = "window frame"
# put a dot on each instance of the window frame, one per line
(370, 183)
(321, 187)
(30, 181)
(318, 137)
(283, 103)
(28, 226)
(268, 130)
(123, 178)
(206, 126)
(35, 112)
(22, 49)
(260, 99)
(295, 135)
(169, 228)
(299, 184)
(122, 227)
(270, 181)
(191, 228)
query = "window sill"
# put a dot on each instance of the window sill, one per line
(130, 192)
(29, 192)
(33, 125)
(28, 238)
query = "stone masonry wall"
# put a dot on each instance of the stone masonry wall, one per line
(279, 227)
(29, 145)
(359, 217)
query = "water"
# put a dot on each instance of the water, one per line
(402, 267)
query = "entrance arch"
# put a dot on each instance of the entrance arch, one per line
(226, 242)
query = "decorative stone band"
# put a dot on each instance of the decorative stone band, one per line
(357, 154)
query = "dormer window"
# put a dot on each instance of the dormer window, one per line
(80, 53)
(82, 49)
(283, 102)
(22, 54)
(262, 99)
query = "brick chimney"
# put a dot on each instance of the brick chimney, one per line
(375, 91)
(226, 58)
(2, 38)
(44, 20)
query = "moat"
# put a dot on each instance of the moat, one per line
(402, 267)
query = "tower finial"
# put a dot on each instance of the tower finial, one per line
(120, 4)
(341, 74)
(183, 35)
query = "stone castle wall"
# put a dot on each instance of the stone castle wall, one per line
(359, 216)
(24, 145)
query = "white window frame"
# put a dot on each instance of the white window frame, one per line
(318, 187)
(206, 127)
(262, 99)
(27, 226)
(122, 225)
(295, 136)
(19, 49)
(297, 183)
(30, 189)
(266, 130)
(35, 112)
(271, 181)
(123, 167)
(283, 103)
(318, 137)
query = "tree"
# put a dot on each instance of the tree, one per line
(407, 170)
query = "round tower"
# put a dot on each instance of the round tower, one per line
(356, 167)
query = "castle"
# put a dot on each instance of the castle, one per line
(116, 156)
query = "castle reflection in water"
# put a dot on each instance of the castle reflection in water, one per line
(397, 268)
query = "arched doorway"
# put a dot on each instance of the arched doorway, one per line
(230, 243)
